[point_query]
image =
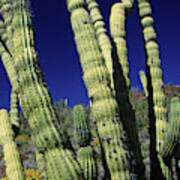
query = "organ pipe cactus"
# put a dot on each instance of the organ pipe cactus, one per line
(104, 106)
(154, 74)
(85, 154)
(33, 94)
(143, 82)
(173, 131)
(14, 168)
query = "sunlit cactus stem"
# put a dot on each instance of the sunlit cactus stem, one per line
(173, 131)
(85, 154)
(155, 85)
(101, 32)
(14, 169)
(143, 81)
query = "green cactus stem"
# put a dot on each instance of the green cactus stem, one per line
(85, 154)
(14, 169)
(122, 82)
(82, 131)
(104, 106)
(103, 39)
(143, 81)
(155, 87)
(173, 131)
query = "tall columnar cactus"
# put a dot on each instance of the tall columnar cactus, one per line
(143, 81)
(122, 82)
(104, 106)
(85, 154)
(154, 75)
(82, 130)
(103, 39)
(33, 94)
(173, 131)
(14, 169)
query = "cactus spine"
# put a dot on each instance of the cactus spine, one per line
(14, 168)
(143, 82)
(85, 154)
(104, 106)
(155, 76)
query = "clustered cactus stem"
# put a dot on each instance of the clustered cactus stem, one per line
(85, 154)
(122, 82)
(154, 74)
(104, 105)
(35, 100)
(14, 169)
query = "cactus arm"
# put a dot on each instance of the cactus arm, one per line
(14, 168)
(143, 82)
(155, 87)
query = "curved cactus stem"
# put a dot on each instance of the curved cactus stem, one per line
(14, 169)
(156, 99)
(143, 81)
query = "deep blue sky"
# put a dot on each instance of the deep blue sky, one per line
(60, 61)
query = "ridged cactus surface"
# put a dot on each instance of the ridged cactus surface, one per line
(102, 37)
(82, 129)
(155, 72)
(173, 131)
(14, 169)
(85, 154)
(143, 79)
